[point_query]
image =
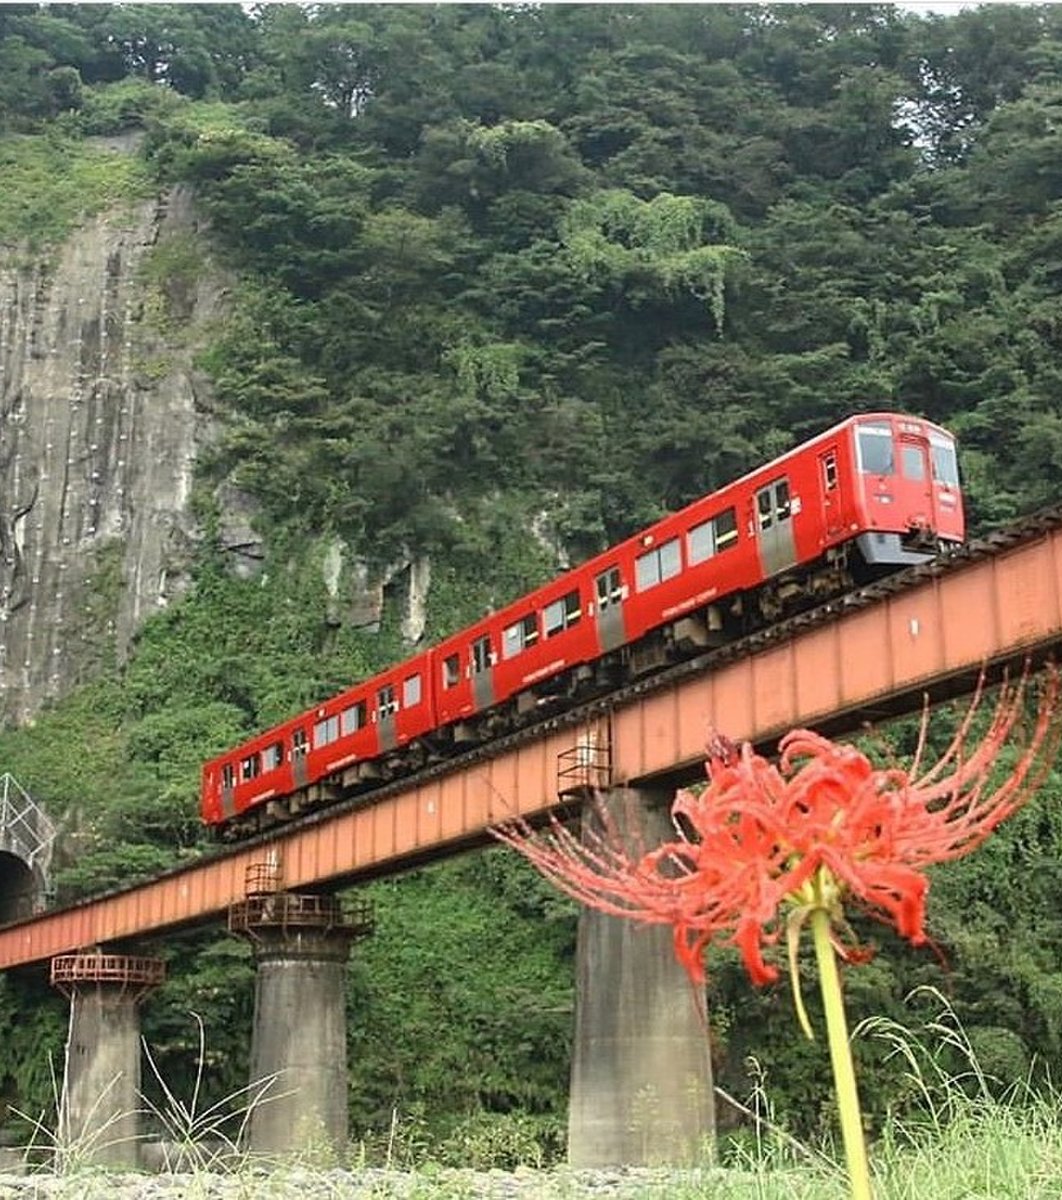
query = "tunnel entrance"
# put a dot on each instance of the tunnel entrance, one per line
(21, 893)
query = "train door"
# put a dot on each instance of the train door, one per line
(917, 476)
(228, 790)
(386, 710)
(774, 527)
(832, 500)
(300, 748)
(482, 673)
(608, 590)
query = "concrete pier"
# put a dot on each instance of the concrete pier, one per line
(299, 1040)
(99, 1111)
(641, 1084)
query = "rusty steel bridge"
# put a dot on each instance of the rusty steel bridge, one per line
(876, 653)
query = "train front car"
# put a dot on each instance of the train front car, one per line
(906, 490)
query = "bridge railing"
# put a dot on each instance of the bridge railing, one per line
(586, 767)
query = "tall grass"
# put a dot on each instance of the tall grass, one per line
(1009, 1149)
(198, 1138)
(965, 1136)
(66, 1155)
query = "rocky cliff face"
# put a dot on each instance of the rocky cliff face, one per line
(100, 414)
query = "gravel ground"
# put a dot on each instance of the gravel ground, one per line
(365, 1184)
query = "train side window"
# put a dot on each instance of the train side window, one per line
(228, 775)
(783, 509)
(451, 671)
(520, 635)
(326, 731)
(411, 691)
(656, 565)
(273, 756)
(609, 588)
(945, 462)
(874, 440)
(726, 530)
(512, 641)
(829, 472)
(353, 718)
(711, 536)
(299, 744)
(250, 767)
(913, 462)
(700, 543)
(561, 614)
(481, 655)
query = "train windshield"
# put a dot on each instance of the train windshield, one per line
(874, 439)
(945, 461)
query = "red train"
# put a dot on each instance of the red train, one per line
(873, 493)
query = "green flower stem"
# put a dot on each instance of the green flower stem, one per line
(844, 1079)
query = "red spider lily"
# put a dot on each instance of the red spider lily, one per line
(700, 886)
(823, 825)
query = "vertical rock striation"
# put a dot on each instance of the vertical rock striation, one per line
(99, 423)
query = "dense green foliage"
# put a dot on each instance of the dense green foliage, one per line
(564, 266)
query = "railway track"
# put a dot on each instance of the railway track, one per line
(1026, 530)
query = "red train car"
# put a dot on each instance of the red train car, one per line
(875, 492)
(341, 742)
